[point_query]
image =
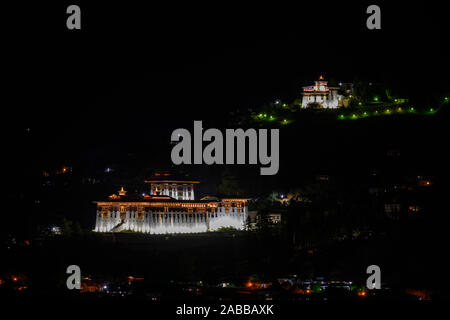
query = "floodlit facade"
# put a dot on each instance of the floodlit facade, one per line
(178, 190)
(320, 94)
(169, 208)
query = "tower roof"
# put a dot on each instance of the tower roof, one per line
(167, 176)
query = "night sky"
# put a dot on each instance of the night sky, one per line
(134, 73)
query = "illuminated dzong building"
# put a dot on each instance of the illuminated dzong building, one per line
(321, 95)
(169, 208)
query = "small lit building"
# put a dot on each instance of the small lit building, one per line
(423, 181)
(274, 217)
(393, 210)
(321, 95)
(88, 285)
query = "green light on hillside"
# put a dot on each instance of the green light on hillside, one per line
(399, 110)
(354, 116)
(388, 111)
(376, 98)
(360, 104)
(411, 109)
(341, 116)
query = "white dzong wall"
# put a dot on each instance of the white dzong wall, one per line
(172, 222)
